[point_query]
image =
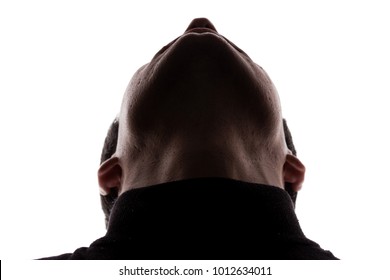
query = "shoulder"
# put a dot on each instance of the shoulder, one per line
(79, 254)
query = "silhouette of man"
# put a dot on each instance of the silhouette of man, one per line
(200, 161)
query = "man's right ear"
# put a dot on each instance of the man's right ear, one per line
(109, 175)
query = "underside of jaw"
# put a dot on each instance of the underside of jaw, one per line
(181, 161)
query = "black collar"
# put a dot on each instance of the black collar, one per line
(207, 218)
(214, 205)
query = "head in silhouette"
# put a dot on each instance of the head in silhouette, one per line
(200, 108)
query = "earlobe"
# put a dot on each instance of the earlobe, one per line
(109, 175)
(294, 172)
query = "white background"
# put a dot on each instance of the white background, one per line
(64, 66)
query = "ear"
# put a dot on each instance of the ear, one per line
(109, 175)
(293, 172)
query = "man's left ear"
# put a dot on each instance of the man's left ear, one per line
(293, 172)
(109, 175)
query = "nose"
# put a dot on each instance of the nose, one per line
(201, 23)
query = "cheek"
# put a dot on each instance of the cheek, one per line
(269, 87)
(267, 102)
(140, 102)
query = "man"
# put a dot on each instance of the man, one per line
(200, 162)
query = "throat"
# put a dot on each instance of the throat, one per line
(181, 162)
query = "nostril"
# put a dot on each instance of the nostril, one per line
(201, 23)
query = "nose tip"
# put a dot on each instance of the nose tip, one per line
(201, 23)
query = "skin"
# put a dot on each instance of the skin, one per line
(200, 108)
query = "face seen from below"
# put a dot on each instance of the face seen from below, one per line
(200, 101)
(200, 76)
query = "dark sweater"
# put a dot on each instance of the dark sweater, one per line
(206, 218)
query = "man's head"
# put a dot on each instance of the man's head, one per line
(200, 108)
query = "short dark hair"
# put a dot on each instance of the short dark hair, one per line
(109, 148)
(291, 147)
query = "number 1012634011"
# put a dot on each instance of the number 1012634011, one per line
(242, 270)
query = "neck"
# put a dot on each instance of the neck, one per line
(186, 159)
